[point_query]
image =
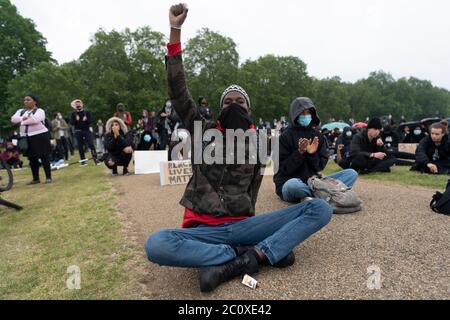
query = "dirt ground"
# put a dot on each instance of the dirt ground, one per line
(396, 232)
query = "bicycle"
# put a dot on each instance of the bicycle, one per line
(6, 176)
(6, 183)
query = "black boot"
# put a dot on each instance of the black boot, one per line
(287, 261)
(212, 277)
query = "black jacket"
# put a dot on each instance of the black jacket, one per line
(218, 189)
(292, 163)
(362, 146)
(427, 152)
(115, 146)
(81, 125)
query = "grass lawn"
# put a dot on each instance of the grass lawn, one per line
(400, 175)
(71, 222)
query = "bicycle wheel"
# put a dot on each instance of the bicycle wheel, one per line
(6, 177)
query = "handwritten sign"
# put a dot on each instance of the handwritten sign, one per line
(175, 172)
(407, 147)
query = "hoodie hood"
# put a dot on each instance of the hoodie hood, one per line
(120, 121)
(301, 104)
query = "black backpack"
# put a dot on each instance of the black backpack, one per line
(441, 201)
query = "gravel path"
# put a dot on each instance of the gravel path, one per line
(395, 232)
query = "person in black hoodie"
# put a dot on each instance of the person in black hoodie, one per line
(416, 135)
(343, 147)
(118, 146)
(433, 153)
(303, 154)
(368, 152)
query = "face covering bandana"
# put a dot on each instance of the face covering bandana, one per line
(417, 132)
(304, 121)
(235, 117)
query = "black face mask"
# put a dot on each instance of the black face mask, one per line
(235, 117)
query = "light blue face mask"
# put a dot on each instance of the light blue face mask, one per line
(304, 121)
(417, 132)
(147, 138)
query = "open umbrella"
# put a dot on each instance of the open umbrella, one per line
(333, 125)
(360, 125)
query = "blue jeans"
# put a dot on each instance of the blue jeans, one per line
(276, 234)
(295, 190)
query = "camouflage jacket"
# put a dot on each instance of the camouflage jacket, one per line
(218, 190)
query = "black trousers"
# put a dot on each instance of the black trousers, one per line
(363, 164)
(86, 138)
(34, 164)
(164, 139)
(123, 160)
(63, 146)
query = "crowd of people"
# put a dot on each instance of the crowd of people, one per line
(221, 234)
(375, 146)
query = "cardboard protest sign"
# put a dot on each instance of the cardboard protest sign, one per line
(407, 147)
(175, 172)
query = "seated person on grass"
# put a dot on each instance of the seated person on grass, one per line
(11, 156)
(433, 153)
(368, 153)
(343, 147)
(221, 234)
(304, 154)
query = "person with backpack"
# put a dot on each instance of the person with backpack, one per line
(433, 152)
(125, 116)
(35, 138)
(221, 234)
(81, 120)
(168, 120)
(304, 154)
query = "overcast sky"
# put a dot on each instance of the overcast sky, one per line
(348, 38)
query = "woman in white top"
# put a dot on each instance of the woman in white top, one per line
(32, 128)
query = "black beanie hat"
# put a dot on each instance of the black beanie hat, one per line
(375, 123)
(33, 96)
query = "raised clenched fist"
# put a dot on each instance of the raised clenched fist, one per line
(177, 15)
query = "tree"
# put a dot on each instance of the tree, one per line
(124, 67)
(212, 63)
(22, 48)
(273, 83)
(331, 96)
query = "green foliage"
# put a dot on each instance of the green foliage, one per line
(273, 83)
(212, 64)
(22, 48)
